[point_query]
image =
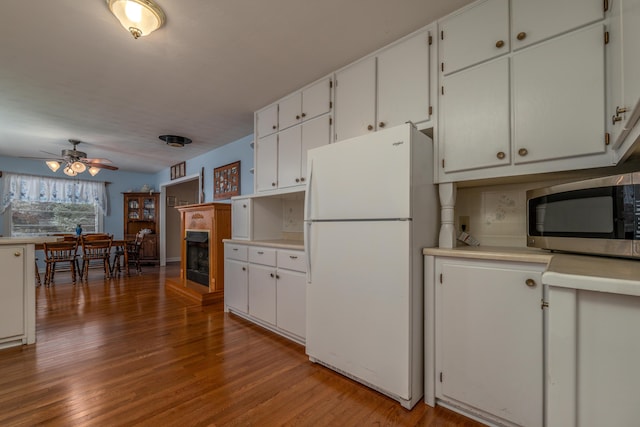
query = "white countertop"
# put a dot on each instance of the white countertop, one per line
(22, 240)
(278, 244)
(493, 253)
(584, 272)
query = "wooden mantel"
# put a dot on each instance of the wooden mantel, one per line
(216, 219)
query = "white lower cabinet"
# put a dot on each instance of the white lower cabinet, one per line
(267, 286)
(489, 339)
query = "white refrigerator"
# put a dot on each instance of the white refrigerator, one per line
(370, 208)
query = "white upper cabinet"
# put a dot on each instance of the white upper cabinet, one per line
(356, 99)
(558, 106)
(403, 82)
(474, 34)
(533, 21)
(266, 165)
(474, 118)
(289, 111)
(305, 105)
(386, 89)
(267, 121)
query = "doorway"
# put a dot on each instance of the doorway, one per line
(175, 194)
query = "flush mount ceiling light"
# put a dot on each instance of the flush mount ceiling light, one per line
(139, 17)
(175, 140)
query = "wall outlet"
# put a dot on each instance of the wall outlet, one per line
(463, 222)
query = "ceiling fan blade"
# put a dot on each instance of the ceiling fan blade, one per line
(96, 160)
(55, 157)
(103, 166)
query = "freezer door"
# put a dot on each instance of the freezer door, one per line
(358, 301)
(367, 177)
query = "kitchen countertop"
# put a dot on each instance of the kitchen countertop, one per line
(278, 244)
(496, 253)
(22, 240)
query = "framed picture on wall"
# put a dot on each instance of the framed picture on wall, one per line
(226, 181)
(171, 201)
(178, 170)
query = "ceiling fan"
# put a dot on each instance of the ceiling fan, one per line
(76, 162)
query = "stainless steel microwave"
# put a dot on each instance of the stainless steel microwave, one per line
(596, 216)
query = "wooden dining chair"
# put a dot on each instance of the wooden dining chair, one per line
(134, 253)
(58, 254)
(96, 252)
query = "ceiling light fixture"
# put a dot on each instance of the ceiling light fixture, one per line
(175, 140)
(139, 17)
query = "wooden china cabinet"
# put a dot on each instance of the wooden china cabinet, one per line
(141, 211)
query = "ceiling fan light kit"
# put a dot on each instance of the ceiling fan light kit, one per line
(175, 140)
(139, 17)
(76, 162)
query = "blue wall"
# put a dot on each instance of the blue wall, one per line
(122, 181)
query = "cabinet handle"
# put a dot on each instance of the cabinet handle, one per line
(260, 253)
(277, 277)
(272, 275)
(16, 253)
(293, 257)
(244, 206)
(501, 155)
(297, 179)
(302, 179)
(235, 249)
(274, 126)
(523, 152)
(370, 127)
(273, 184)
(521, 35)
(244, 268)
(499, 44)
(298, 117)
(530, 283)
(304, 115)
(381, 124)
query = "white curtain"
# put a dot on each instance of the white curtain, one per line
(32, 188)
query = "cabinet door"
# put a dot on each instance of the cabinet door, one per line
(289, 155)
(356, 99)
(149, 248)
(267, 120)
(490, 338)
(475, 130)
(403, 82)
(316, 99)
(315, 133)
(262, 293)
(290, 111)
(291, 302)
(473, 35)
(241, 218)
(12, 287)
(266, 165)
(558, 103)
(533, 21)
(236, 293)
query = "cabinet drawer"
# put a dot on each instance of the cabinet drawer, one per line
(265, 256)
(238, 252)
(291, 260)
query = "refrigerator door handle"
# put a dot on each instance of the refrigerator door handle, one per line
(307, 193)
(307, 248)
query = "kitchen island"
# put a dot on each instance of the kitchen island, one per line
(17, 287)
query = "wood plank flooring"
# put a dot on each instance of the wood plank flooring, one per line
(125, 352)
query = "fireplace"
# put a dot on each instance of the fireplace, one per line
(198, 256)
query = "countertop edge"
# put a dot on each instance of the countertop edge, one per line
(278, 244)
(28, 240)
(496, 253)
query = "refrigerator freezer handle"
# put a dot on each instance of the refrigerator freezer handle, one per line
(307, 193)
(307, 248)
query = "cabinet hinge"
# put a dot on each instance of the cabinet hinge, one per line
(442, 90)
(330, 84)
(441, 34)
(544, 304)
(430, 110)
(440, 376)
(607, 137)
(330, 120)
(430, 40)
(605, 5)
(330, 104)
(442, 163)
(440, 277)
(606, 37)
(442, 67)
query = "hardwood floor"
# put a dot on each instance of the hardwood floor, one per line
(125, 352)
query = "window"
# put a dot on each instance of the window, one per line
(43, 218)
(41, 205)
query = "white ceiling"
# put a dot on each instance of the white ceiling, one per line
(69, 70)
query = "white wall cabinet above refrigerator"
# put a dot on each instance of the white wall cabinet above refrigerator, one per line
(386, 89)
